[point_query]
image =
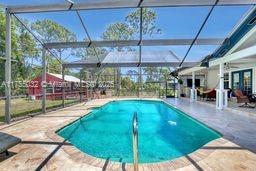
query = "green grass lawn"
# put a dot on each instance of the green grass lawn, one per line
(22, 107)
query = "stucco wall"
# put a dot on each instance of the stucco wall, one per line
(212, 75)
(212, 78)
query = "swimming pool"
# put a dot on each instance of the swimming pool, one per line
(165, 133)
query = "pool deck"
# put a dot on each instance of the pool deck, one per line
(42, 149)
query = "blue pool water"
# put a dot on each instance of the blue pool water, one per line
(164, 132)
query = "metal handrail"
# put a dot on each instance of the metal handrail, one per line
(135, 142)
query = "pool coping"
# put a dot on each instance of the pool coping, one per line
(81, 157)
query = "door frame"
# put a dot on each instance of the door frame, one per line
(241, 78)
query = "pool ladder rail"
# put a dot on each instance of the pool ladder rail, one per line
(135, 142)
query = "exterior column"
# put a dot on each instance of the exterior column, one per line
(43, 82)
(193, 80)
(179, 87)
(222, 76)
(63, 86)
(80, 86)
(8, 68)
(221, 94)
(193, 94)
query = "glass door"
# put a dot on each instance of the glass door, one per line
(236, 80)
(247, 82)
(242, 80)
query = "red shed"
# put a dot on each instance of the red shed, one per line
(53, 90)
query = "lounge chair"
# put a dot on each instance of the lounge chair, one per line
(241, 98)
(7, 141)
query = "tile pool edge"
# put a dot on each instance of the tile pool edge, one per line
(81, 157)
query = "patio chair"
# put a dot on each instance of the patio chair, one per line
(7, 141)
(241, 98)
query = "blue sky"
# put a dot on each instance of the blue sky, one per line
(176, 22)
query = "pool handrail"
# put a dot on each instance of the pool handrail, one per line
(135, 142)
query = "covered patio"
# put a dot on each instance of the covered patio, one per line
(223, 76)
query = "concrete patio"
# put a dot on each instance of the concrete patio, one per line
(233, 107)
(39, 150)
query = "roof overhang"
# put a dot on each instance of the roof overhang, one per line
(190, 70)
(245, 53)
(247, 41)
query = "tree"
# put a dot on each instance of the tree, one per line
(118, 31)
(152, 73)
(148, 22)
(132, 73)
(27, 49)
(91, 52)
(23, 47)
(130, 29)
(128, 86)
(51, 31)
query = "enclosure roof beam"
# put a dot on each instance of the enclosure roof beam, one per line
(123, 4)
(121, 43)
(132, 64)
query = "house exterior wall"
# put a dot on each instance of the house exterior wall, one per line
(35, 87)
(213, 78)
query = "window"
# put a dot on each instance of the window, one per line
(226, 81)
(49, 88)
(189, 82)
